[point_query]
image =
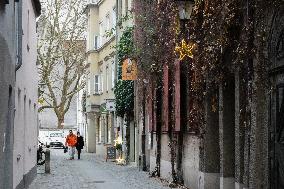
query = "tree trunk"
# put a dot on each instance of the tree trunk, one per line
(60, 122)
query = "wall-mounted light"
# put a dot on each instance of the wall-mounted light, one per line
(185, 8)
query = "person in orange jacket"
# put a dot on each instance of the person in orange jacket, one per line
(71, 142)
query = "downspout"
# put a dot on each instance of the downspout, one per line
(116, 42)
(19, 34)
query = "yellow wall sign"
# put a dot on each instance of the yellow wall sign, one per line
(129, 69)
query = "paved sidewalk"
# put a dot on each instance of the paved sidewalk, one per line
(91, 173)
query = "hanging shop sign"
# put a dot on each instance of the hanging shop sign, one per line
(129, 69)
(110, 105)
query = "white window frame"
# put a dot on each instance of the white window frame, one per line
(96, 84)
(114, 17)
(112, 74)
(96, 42)
(101, 83)
(107, 79)
(101, 30)
(107, 22)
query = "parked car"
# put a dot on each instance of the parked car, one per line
(55, 140)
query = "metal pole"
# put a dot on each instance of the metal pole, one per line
(47, 161)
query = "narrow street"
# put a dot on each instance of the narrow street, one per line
(91, 172)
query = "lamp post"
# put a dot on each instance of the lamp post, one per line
(185, 8)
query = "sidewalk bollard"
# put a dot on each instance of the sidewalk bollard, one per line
(47, 161)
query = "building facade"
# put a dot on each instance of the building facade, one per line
(19, 122)
(240, 143)
(26, 95)
(127, 130)
(101, 17)
(81, 112)
(7, 84)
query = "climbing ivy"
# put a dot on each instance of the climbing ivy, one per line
(124, 90)
(84, 101)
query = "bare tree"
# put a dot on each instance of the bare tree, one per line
(61, 54)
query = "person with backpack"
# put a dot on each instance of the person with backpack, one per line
(80, 144)
(71, 142)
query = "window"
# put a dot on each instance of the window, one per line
(107, 23)
(120, 8)
(114, 18)
(101, 38)
(126, 7)
(96, 42)
(89, 86)
(101, 83)
(55, 135)
(112, 74)
(107, 75)
(96, 84)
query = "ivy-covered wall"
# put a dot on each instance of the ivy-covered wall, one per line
(124, 90)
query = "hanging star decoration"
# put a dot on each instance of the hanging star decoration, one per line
(184, 50)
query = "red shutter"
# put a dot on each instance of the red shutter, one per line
(177, 95)
(165, 127)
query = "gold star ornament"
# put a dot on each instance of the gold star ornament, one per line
(184, 50)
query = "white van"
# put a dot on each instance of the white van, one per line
(56, 139)
(53, 138)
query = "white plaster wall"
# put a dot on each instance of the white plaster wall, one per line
(191, 161)
(81, 118)
(25, 123)
(166, 167)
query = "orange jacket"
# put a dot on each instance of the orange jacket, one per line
(71, 140)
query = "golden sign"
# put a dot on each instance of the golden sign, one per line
(129, 69)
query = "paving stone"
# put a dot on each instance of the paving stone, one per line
(91, 173)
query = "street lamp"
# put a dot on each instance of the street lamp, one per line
(185, 8)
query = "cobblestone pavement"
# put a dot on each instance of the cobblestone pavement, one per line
(91, 173)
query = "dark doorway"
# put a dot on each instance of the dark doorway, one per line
(276, 127)
(277, 137)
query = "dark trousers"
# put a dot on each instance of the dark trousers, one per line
(79, 153)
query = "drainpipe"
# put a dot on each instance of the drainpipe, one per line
(116, 42)
(19, 34)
